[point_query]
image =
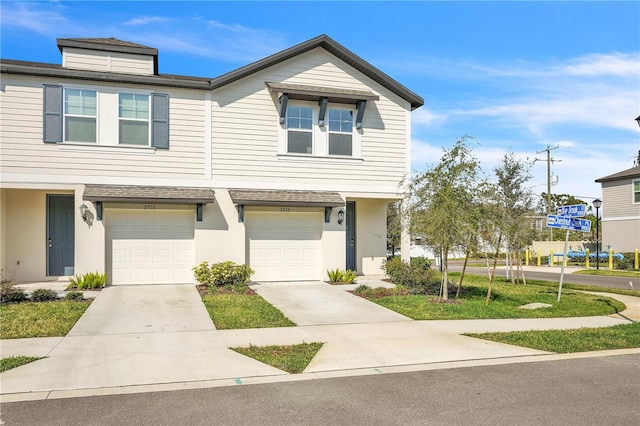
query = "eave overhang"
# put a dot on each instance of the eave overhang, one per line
(135, 194)
(260, 197)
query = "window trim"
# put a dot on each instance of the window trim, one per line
(634, 192)
(65, 115)
(340, 132)
(300, 130)
(135, 120)
(320, 134)
(107, 116)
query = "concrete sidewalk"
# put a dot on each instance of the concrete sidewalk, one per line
(163, 339)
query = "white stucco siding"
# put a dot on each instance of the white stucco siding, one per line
(24, 152)
(246, 132)
(83, 59)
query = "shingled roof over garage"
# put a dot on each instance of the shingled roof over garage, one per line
(261, 197)
(147, 194)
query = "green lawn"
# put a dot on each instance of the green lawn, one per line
(10, 362)
(292, 359)
(606, 272)
(567, 341)
(39, 319)
(505, 302)
(233, 310)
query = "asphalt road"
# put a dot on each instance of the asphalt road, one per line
(590, 391)
(554, 276)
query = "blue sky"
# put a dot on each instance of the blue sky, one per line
(516, 76)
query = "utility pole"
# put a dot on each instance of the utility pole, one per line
(549, 160)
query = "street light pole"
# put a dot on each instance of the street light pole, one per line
(597, 203)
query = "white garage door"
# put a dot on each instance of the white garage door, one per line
(149, 246)
(284, 246)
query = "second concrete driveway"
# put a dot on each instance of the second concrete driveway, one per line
(318, 303)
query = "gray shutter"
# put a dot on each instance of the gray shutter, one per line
(160, 120)
(52, 114)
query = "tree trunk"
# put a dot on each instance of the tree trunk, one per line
(464, 268)
(493, 273)
(444, 290)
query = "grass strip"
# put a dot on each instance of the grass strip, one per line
(567, 341)
(505, 303)
(608, 273)
(40, 319)
(292, 359)
(233, 311)
(10, 362)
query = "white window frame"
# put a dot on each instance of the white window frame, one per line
(634, 192)
(320, 138)
(147, 120)
(340, 132)
(312, 131)
(66, 88)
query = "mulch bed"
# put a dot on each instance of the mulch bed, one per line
(206, 291)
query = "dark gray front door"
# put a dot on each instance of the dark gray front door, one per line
(60, 235)
(350, 221)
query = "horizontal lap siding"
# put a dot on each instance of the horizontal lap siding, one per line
(245, 129)
(23, 151)
(618, 199)
(108, 61)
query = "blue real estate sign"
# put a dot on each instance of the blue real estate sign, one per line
(575, 210)
(568, 222)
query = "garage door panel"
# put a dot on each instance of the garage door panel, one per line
(147, 247)
(284, 247)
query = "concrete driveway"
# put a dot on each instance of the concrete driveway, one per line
(318, 303)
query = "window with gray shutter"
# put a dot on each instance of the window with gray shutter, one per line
(52, 114)
(160, 120)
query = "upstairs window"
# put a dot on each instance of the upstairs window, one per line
(133, 114)
(340, 132)
(636, 191)
(300, 129)
(80, 115)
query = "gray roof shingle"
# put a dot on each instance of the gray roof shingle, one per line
(625, 174)
(147, 194)
(261, 197)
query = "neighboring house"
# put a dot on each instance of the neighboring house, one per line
(286, 164)
(621, 210)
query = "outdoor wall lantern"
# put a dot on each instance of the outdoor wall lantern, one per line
(83, 212)
(340, 216)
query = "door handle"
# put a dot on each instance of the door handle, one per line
(352, 242)
(50, 242)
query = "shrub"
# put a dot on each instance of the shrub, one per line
(417, 278)
(223, 274)
(88, 280)
(8, 291)
(335, 275)
(421, 262)
(43, 295)
(340, 276)
(349, 276)
(74, 295)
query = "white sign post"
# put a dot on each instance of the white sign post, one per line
(568, 218)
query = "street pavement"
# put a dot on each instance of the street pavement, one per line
(587, 390)
(155, 338)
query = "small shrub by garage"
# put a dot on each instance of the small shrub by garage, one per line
(90, 280)
(43, 295)
(227, 274)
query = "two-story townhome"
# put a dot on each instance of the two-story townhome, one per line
(285, 164)
(621, 210)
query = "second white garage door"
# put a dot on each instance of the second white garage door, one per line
(284, 246)
(149, 246)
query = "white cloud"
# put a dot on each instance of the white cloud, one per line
(34, 17)
(146, 20)
(424, 116)
(617, 64)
